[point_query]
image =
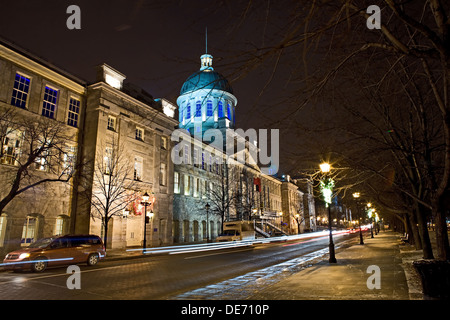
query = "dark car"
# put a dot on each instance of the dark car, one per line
(54, 251)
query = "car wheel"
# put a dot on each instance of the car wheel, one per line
(39, 265)
(92, 259)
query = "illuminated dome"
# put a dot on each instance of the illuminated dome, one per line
(206, 79)
(206, 100)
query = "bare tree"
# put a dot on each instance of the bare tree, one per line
(111, 188)
(38, 151)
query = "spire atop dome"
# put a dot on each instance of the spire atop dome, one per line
(206, 59)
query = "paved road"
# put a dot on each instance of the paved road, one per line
(157, 277)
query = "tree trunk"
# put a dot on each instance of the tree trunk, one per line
(414, 237)
(105, 230)
(443, 250)
(423, 231)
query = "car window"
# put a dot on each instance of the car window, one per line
(41, 243)
(59, 243)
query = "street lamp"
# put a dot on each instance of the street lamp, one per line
(145, 203)
(207, 206)
(356, 196)
(327, 185)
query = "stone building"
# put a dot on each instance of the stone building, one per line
(212, 184)
(92, 118)
(125, 124)
(42, 98)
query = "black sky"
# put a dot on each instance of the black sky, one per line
(156, 44)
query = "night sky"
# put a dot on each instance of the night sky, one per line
(158, 44)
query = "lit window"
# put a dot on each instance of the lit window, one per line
(11, 147)
(60, 226)
(107, 160)
(162, 174)
(229, 111)
(111, 123)
(69, 158)
(176, 182)
(220, 106)
(138, 165)
(74, 111)
(20, 91)
(139, 134)
(209, 108)
(49, 105)
(164, 143)
(198, 109)
(3, 221)
(187, 185)
(188, 112)
(196, 187)
(28, 231)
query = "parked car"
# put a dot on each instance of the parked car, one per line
(63, 250)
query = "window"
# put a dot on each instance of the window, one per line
(176, 182)
(138, 165)
(3, 221)
(60, 226)
(139, 134)
(209, 108)
(229, 111)
(187, 185)
(107, 160)
(203, 161)
(28, 231)
(111, 123)
(49, 105)
(198, 109)
(187, 155)
(42, 161)
(195, 157)
(20, 91)
(74, 111)
(11, 147)
(196, 187)
(164, 143)
(220, 106)
(69, 158)
(162, 174)
(188, 112)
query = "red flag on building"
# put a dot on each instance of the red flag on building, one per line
(257, 183)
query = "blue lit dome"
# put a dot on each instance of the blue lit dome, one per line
(206, 79)
(206, 100)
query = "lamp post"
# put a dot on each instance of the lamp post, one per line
(327, 185)
(356, 196)
(207, 206)
(145, 203)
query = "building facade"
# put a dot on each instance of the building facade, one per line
(41, 107)
(193, 186)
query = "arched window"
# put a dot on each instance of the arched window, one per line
(220, 107)
(209, 108)
(198, 109)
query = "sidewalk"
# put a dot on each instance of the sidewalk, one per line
(347, 279)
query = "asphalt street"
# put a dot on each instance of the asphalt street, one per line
(164, 277)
